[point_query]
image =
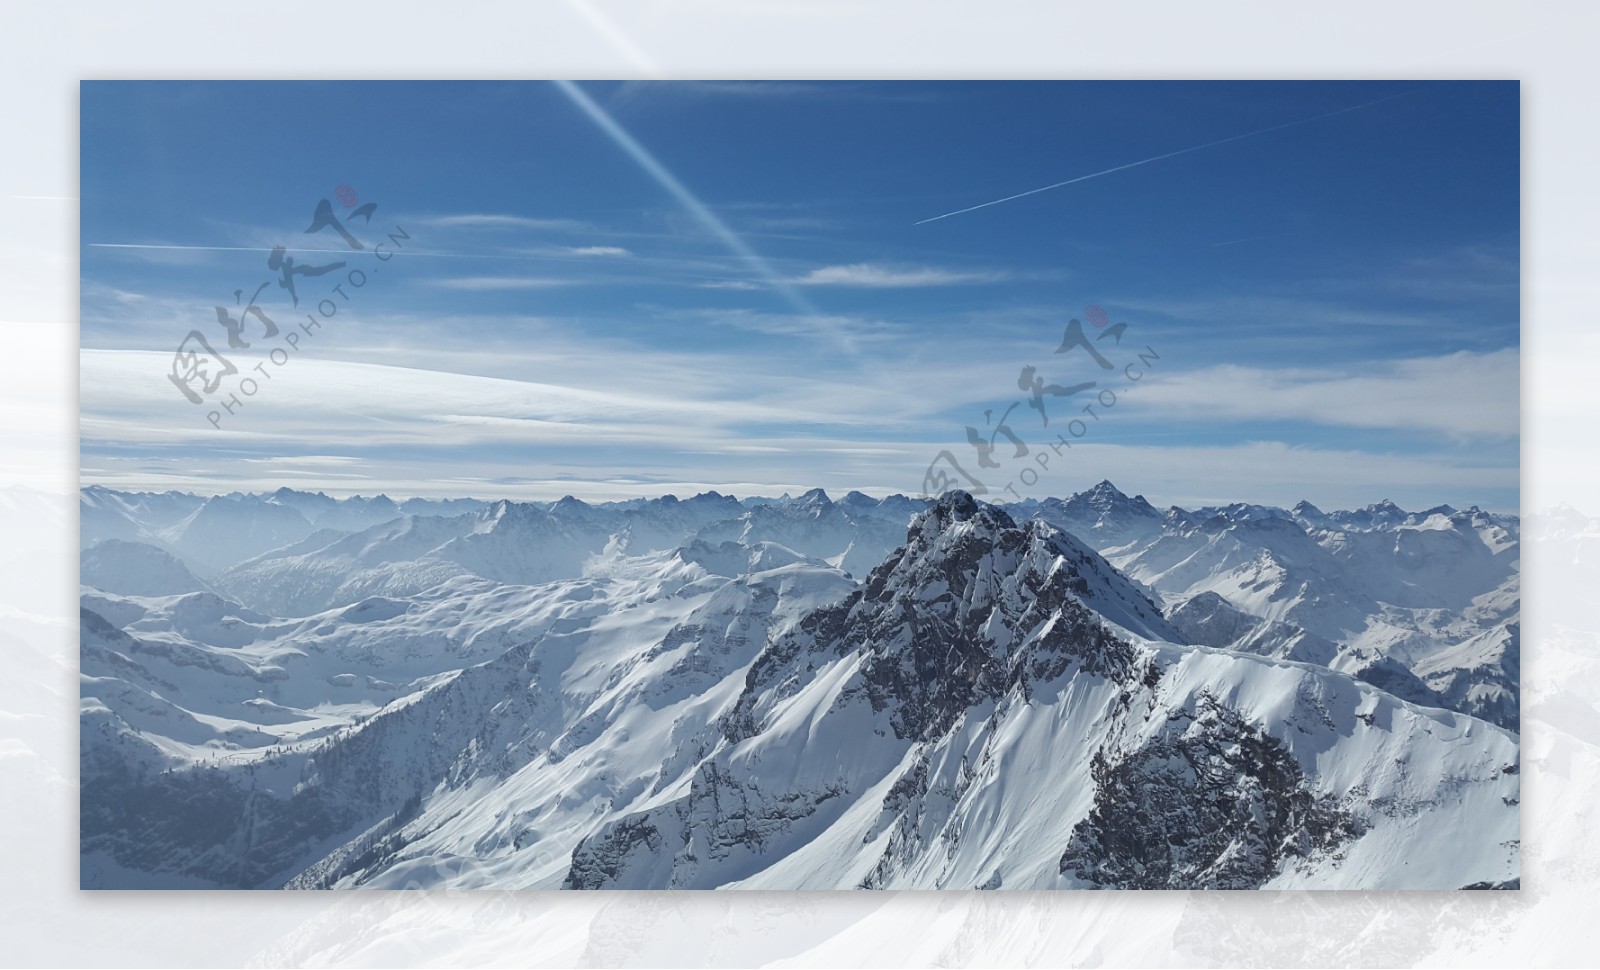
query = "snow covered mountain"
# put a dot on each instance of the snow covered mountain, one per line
(917, 734)
(135, 568)
(1434, 593)
(795, 693)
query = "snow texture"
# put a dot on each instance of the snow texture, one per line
(291, 690)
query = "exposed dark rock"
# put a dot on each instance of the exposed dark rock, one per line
(1211, 802)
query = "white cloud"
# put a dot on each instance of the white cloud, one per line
(318, 460)
(404, 430)
(597, 251)
(877, 275)
(850, 329)
(485, 220)
(481, 283)
(1469, 395)
(332, 404)
(790, 223)
(1292, 313)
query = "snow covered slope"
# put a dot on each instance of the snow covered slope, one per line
(968, 720)
(135, 568)
(667, 693)
(523, 543)
(1431, 598)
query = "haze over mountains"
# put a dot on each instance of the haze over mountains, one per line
(292, 690)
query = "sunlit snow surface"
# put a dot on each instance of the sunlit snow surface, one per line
(287, 690)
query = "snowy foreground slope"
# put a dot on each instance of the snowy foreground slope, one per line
(795, 693)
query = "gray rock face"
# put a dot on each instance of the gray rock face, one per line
(723, 813)
(1388, 674)
(938, 622)
(1211, 802)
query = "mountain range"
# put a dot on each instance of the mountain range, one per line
(292, 690)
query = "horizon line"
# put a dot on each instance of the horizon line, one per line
(788, 494)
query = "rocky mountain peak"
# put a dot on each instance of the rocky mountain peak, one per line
(1307, 513)
(1105, 501)
(971, 606)
(953, 508)
(816, 497)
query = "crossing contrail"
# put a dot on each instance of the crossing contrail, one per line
(701, 212)
(1157, 158)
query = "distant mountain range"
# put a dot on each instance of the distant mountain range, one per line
(288, 689)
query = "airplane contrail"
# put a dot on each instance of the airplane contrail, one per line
(1157, 158)
(700, 211)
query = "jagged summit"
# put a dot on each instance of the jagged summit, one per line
(1102, 493)
(994, 601)
(1385, 509)
(973, 548)
(959, 506)
(1102, 510)
(1105, 499)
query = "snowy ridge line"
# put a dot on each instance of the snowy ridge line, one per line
(797, 693)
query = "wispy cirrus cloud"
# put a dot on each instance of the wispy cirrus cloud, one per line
(1485, 271)
(412, 431)
(1466, 395)
(1265, 310)
(845, 326)
(492, 283)
(876, 275)
(790, 223)
(490, 220)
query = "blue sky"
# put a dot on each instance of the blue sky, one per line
(614, 289)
